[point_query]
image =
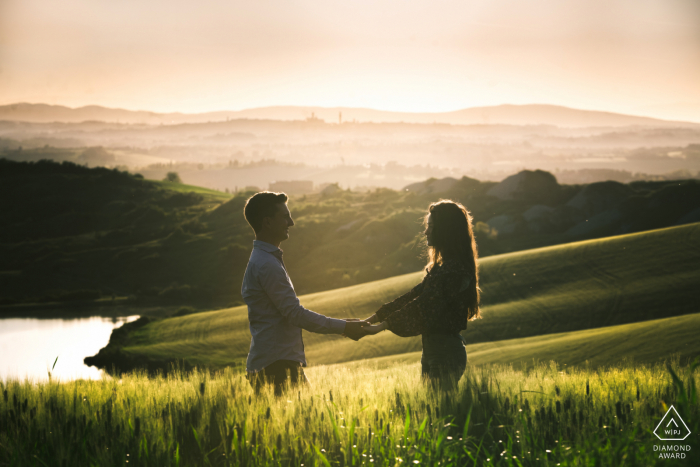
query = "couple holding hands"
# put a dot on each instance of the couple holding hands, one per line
(437, 309)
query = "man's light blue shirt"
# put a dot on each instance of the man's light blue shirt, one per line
(275, 314)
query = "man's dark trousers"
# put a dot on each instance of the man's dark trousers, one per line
(278, 373)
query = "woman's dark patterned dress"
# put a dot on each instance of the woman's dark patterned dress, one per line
(437, 309)
(438, 305)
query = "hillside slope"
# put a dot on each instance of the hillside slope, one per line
(643, 342)
(70, 232)
(562, 289)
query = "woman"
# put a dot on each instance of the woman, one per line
(439, 307)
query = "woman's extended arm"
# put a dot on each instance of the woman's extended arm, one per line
(388, 308)
(433, 309)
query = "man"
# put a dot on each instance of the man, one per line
(275, 314)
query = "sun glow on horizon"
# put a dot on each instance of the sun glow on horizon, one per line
(641, 59)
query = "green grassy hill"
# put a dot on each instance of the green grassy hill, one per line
(643, 342)
(573, 302)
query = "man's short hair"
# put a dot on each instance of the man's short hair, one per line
(262, 205)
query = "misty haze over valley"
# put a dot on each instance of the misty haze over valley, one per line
(258, 147)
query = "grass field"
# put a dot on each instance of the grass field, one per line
(633, 296)
(564, 371)
(354, 415)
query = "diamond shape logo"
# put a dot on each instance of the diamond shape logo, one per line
(672, 427)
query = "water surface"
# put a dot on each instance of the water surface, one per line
(29, 346)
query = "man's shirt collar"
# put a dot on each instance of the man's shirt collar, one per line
(267, 247)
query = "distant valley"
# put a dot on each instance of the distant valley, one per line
(237, 153)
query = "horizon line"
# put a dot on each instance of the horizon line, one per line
(408, 112)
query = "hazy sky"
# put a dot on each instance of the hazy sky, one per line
(631, 56)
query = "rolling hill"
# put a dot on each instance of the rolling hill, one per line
(600, 300)
(644, 342)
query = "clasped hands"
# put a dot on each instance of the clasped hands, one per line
(356, 329)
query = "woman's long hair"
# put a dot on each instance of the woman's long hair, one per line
(453, 237)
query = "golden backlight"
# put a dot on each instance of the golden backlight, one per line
(628, 56)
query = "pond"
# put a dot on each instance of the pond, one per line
(29, 346)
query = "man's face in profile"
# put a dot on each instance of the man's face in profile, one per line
(281, 222)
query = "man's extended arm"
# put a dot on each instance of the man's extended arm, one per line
(274, 281)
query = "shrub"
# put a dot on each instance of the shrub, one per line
(172, 177)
